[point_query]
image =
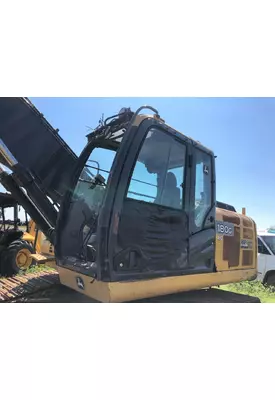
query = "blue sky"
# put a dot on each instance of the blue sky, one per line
(241, 131)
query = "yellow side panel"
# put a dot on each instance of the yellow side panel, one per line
(127, 291)
(239, 251)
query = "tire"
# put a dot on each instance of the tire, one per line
(270, 279)
(17, 257)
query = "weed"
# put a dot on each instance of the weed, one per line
(252, 288)
(36, 268)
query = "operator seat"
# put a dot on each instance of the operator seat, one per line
(171, 193)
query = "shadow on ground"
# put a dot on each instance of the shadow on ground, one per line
(62, 294)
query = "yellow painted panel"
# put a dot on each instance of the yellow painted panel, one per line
(127, 291)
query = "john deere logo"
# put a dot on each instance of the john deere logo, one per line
(80, 283)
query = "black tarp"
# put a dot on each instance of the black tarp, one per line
(36, 145)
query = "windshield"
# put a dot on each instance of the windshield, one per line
(159, 171)
(270, 241)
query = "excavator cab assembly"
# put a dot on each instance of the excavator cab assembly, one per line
(135, 215)
(150, 214)
(144, 220)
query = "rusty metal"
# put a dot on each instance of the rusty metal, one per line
(24, 285)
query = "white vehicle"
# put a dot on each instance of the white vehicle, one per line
(266, 257)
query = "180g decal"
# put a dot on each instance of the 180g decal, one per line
(224, 228)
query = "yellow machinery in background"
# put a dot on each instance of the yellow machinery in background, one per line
(19, 240)
(43, 246)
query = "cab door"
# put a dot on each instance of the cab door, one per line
(202, 211)
(153, 216)
(149, 234)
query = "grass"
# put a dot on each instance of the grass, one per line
(36, 268)
(257, 289)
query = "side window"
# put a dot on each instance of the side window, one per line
(203, 186)
(89, 190)
(262, 248)
(158, 176)
(143, 185)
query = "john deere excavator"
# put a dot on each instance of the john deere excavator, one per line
(135, 215)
